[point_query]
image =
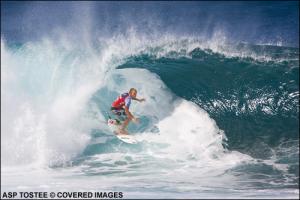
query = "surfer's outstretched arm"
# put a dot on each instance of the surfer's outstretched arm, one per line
(140, 100)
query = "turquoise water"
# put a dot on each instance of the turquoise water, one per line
(260, 95)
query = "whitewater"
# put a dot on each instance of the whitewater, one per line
(220, 119)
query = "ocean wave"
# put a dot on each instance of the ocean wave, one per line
(57, 93)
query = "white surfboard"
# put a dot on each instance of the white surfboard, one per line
(115, 128)
(127, 138)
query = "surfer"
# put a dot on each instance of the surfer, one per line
(120, 107)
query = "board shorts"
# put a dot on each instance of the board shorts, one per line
(119, 114)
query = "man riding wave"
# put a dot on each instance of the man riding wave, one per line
(120, 108)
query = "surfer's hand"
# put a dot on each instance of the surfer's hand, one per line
(136, 120)
(141, 100)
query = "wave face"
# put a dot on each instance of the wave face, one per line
(253, 97)
(220, 117)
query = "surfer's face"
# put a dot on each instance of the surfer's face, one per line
(133, 93)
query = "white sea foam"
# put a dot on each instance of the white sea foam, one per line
(188, 131)
(47, 90)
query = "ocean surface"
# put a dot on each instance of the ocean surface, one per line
(221, 116)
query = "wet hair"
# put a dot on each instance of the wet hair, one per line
(132, 89)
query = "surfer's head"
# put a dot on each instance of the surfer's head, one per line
(132, 92)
